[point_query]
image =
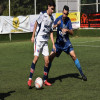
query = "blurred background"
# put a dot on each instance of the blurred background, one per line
(28, 7)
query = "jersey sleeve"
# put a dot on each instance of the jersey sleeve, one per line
(70, 25)
(55, 22)
(40, 18)
(51, 29)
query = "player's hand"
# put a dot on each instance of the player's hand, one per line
(59, 22)
(32, 39)
(64, 30)
(54, 48)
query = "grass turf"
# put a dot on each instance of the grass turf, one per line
(27, 36)
(16, 59)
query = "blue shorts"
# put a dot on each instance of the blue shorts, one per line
(59, 49)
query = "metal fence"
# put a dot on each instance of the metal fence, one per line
(73, 5)
(83, 6)
(90, 6)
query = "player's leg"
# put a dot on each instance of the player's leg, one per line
(45, 52)
(77, 63)
(46, 59)
(33, 66)
(32, 69)
(51, 57)
(36, 56)
(54, 54)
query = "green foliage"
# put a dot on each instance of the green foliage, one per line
(88, 1)
(83, 1)
(5, 7)
(23, 7)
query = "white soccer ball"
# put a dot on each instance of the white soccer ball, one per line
(38, 82)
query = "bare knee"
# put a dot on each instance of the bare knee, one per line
(46, 62)
(73, 55)
(35, 59)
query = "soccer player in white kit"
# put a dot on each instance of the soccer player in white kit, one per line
(42, 31)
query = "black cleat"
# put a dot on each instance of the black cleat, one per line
(84, 78)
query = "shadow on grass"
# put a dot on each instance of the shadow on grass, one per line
(36, 88)
(73, 75)
(4, 95)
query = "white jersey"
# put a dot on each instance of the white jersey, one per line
(44, 27)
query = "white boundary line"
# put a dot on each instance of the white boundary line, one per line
(88, 41)
(86, 46)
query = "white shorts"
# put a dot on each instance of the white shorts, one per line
(41, 46)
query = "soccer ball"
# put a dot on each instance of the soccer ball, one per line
(38, 82)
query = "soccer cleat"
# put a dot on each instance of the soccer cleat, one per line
(29, 83)
(84, 78)
(47, 83)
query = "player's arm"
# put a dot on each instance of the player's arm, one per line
(56, 25)
(52, 39)
(57, 22)
(38, 21)
(34, 30)
(65, 30)
(68, 30)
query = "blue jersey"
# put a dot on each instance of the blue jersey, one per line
(63, 39)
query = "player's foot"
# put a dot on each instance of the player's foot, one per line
(47, 83)
(84, 78)
(29, 83)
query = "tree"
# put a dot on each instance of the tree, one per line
(23, 7)
(1, 9)
(4, 7)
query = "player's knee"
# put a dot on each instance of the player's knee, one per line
(74, 57)
(46, 62)
(51, 57)
(35, 60)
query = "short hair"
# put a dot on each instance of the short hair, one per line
(66, 8)
(52, 3)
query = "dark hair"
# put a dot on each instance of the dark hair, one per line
(51, 3)
(66, 8)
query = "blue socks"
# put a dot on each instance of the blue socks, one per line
(32, 70)
(45, 73)
(46, 69)
(77, 63)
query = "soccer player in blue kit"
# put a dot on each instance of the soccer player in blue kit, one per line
(64, 29)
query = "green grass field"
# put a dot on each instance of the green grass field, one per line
(16, 59)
